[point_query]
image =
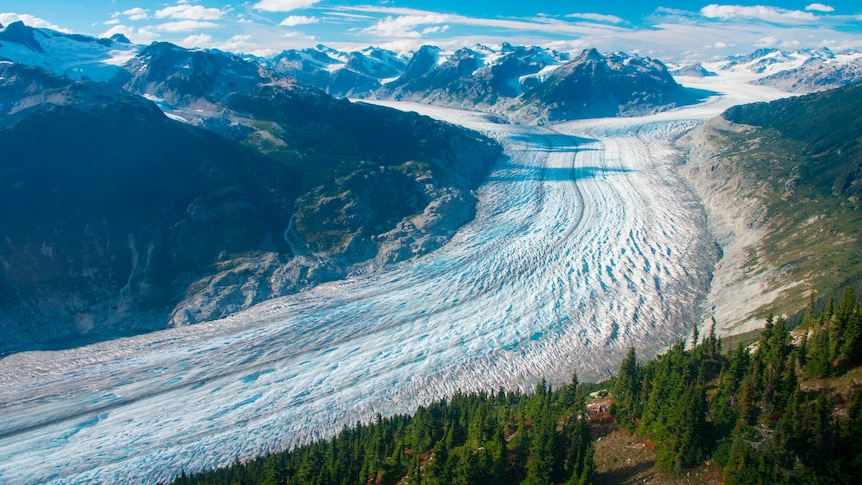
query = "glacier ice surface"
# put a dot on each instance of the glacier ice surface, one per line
(585, 243)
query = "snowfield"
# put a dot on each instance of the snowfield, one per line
(585, 243)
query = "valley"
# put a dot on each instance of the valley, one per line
(585, 242)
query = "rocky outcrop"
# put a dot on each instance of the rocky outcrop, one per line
(183, 77)
(534, 85)
(19, 33)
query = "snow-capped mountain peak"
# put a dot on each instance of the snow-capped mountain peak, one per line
(769, 61)
(799, 71)
(72, 55)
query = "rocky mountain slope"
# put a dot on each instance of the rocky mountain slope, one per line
(692, 70)
(110, 209)
(595, 85)
(782, 184)
(198, 183)
(478, 76)
(466, 75)
(341, 74)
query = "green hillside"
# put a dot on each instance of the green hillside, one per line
(804, 160)
(826, 132)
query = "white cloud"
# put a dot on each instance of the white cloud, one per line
(7, 18)
(596, 17)
(766, 42)
(185, 26)
(283, 5)
(718, 45)
(576, 45)
(349, 16)
(407, 20)
(189, 12)
(292, 34)
(294, 20)
(240, 39)
(111, 22)
(404, 25)
(197, 40)
(143, 35)
(245, 44)
(434, 30)
(136, 13)
(757, 12)
(819, 7)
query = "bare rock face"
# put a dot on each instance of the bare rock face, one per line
(244, 282)
(693, 70)
(427, 231)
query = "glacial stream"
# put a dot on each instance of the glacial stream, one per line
(585, 243)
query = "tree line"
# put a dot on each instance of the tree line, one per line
(472, 438)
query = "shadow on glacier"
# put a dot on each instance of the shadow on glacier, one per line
(554, 143)
(523, 173)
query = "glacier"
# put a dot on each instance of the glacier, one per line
(585, 242)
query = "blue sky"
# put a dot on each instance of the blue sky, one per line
(667, 29)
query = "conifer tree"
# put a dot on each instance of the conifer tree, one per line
(840, 322)
(818, 362)
(625, 397)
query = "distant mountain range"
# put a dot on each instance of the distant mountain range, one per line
(524, 84)
(802, 71)
(503, 79)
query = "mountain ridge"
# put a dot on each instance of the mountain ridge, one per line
(493, 79)
(300, 160)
